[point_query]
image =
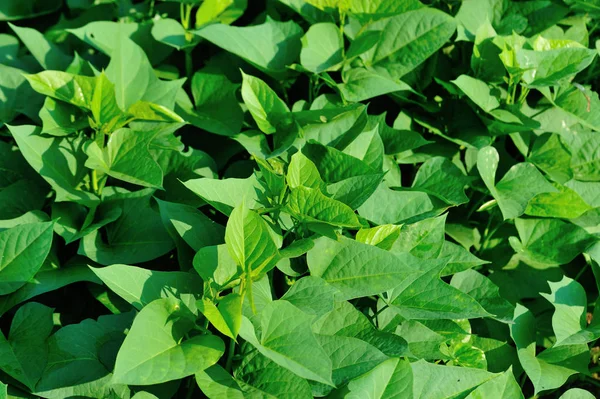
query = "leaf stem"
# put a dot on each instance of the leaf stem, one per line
(249, 289)
(151, 11)
(95, 186)
(191, 387)
(583, 269)
(230, 353)
(189, 66)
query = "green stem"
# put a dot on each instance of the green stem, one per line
(583, 269)
(191, 388)
(189, 67)
(249, 289)
(592, 381)
(524, 93)
(95, 186)
(151, 11)
(342, 21)
(489, 235)
(182, 14)
(230, 355)
(590, 72)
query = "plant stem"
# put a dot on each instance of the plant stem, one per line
(189, 67)
(249, 288)
(230, 355)
(583, 269)
(191, 388)
(592, 381)
(95, 181)
(342, 22)
(151, 11)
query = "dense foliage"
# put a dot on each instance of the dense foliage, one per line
(288, 199)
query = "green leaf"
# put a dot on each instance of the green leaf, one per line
(387, 206)
(367, 10)
(18, 97)
(570, 303)
(61, 119)
(485, 292)
(361, 84)
(24, 249)
(25, 352)
(196, 229)
(576, 393)
(391, 378)
(286, 339)
(309, 205)
(383, 236)
(140, 286)
(578, 104)
(518, 186)
(105, 36)
(568, 241)
(280, 43)
(551, 368)
(21, 189)
(584, 151)
(550, 154)
(223, 11)
(474, 14)
(215, 263)
(368, 147)
(104, 105)
(351, 180)
(172, 33)
(459, 259)
(478, 92)
(451, 381)
(303, 172)
(58, 160)
(264, 378)
(147, 111)
(127, 157)
(358, 269)
(423, 296)
(311, 295)
(550, 63)
(267, 109)
(227, 317)
(350, 358)
(322, 48)
(422, 239)
(153, 351)
(226, 194)
(134, 79)
(347, 321)
(15, 10)
(73, 89)
(249, 241)
(46, 281)
(565, 204)
(438, 176)
(216, 382)
(336, 127)
(129, 71)
(408, 39)
(81, 357)
(46, 53)
(137, 236)
(74, 222)
(216, 106)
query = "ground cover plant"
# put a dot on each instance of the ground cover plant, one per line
(366, 199)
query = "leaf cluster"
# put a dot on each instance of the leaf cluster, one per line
(294, 199)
